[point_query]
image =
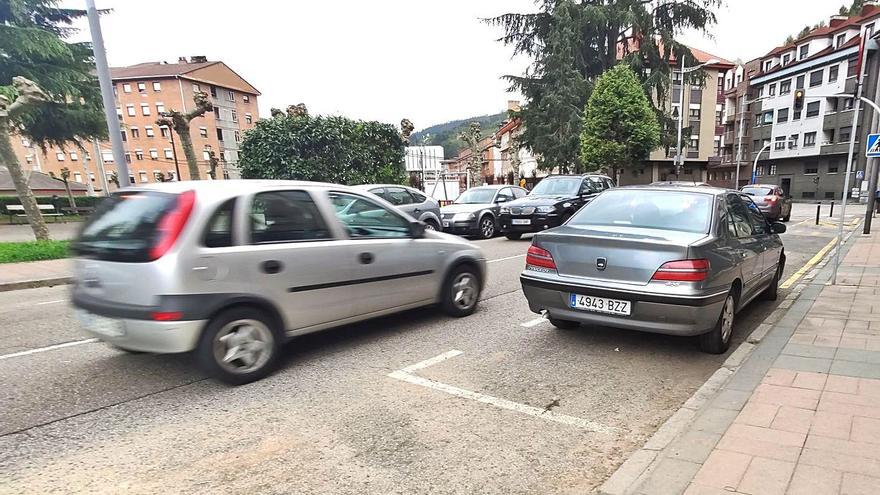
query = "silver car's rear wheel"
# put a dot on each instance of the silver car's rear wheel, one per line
(243, 346)
(461, 291)
(717, 341)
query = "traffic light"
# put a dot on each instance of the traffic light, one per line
(799, 99)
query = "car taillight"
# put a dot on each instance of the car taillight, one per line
(771, 199)
(167, 315)
(540, 258)
(683, 271)
(171, 225)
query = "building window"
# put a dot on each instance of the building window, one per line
(203, 132)
(248, 118)
(829, 194)
(160, 108)
(694, 114)
(77, 177)
(197, 88)
(761, 92)
(234, 115)
(832, 73)
(828, 137)
(143, 176)
(142, 87)
(154, 153)
(845, 134)
(810, 170)
(135, 132)
(107, 156)
(217, 113)
(246, 98)
(157, 86)
(73, 156)
(214, 91)
(812, 109)
(782, 115)
(803, 52)
(772, 170)
(131, 179)
(793, 141)
(169, 154)
(60, 156)
(809, 139)
(139, 154)
(130, 110)
(799, 84)
(206, 154)
(779, 144)
(869, 30)
(164, 131)
(847, 104)
(768, 65)
(220, 134)
(816, 78)
(145, 109)
(238, 137)
(841, 39)
(771, 91)
(149, 131)
(785, 87)
(127, 157)
(832, 169)
(768, 117)
(786, 59)
(831, 105)
(126, 88)
(808, 194)
(230, 95)
(124, 136)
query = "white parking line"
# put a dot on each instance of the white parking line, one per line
(533, 323)
(407, 375)
(49, 348)
(507, 258)
(50, 302)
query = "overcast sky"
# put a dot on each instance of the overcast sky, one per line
(385, 59)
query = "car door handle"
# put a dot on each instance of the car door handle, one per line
(271, 266)
(417, 210)
(366, 258)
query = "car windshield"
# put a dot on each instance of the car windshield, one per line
(569, 186)
(660, 210)
(757, 191)
(479, 195)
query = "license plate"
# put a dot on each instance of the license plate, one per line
(101, 324)
(445, 225)
(521, 221)
(601, 305)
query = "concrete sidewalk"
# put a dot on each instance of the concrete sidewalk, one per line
(14, 276)
(798, 413)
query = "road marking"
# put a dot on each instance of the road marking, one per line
(804, 269)
(49, 348)
(533, 323)
(51, 302)
(507, 258)
(407, 375)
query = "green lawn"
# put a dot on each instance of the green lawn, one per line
(15, 252)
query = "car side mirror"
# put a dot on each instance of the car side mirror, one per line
(778, 227)
(501, 199)
(416, 230)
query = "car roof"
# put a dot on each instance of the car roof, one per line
(679, 188)
(759, 185)
(553, 176)
(371, 186)
(229, 188)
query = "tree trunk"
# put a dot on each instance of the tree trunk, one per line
(188, 151)
(25, 195)
(70, 200)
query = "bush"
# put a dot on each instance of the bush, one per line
(81, 201)
(17, 252)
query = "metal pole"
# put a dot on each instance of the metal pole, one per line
(875, 168)
(755, 165)
(831, 211)
(103, 71)
(818, 211)
(679, 158)
(852, 144)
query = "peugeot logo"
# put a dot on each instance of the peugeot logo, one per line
(601, 263)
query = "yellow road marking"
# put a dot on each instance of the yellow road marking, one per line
(810, 264)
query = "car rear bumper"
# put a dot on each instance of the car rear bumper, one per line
(537, 223)
(771, 212)
(673, 315)
(151, 336)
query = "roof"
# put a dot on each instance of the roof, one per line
(195, 71)
(701, 56)
(868, 12)
(38, 181)
(855, 41)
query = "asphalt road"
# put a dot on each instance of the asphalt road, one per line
(89, 418)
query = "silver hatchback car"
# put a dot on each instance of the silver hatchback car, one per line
(671, 259)
(230, 269)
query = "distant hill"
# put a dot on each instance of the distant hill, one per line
(446, 134)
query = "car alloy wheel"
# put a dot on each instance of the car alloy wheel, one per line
(430, 226)
(727, 319)
(487, 227)
(465, 291)
(243, 346)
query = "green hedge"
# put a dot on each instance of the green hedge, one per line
(81, 201)
(17, 252)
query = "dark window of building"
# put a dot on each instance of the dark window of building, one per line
(771, 90)
(847, 104)
(812, 109)
(831, 105)
(214, 91)
(786, 59)
(799, 84)
(217, 113)
(782, 115)
(785, 87)
(780, 143)
(811, 170)
(832, 169)
(694, 114)
(809, 139)
(220, 134)
(832, 73)
(803, 52)
(808, 194)
(841, 39)
(829, 194)
(845, 134)
(852, 66)
(816, 78)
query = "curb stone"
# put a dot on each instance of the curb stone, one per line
(34, 284)
(639, 467)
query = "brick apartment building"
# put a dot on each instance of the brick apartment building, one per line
(143, 92)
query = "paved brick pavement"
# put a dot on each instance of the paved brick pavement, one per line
(14, 276)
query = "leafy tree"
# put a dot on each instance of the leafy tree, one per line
(572, 42)
(179, 122)
(620, 127)
(50, 95)
(65, 178)
(297, 146)
(114, 178)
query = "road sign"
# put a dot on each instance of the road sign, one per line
(873, 149)
(860, 175)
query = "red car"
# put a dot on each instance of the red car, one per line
(771, 200)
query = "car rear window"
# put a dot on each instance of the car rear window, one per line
(758, 191)
(660, 210)
(124, 226)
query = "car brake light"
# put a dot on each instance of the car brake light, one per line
(540, 258)
(771, 199)
(171, 225)
(167, 315)
(683, 271)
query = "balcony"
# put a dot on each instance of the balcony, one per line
(730, 118)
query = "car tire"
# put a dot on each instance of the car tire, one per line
(246, 331)
(486, 227)
(461, 291)
(787, 217)
(564, 324)
(717, 340)
(431, 225)
(771, 293)
(514, 236)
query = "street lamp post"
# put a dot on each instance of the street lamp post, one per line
(679, 158)
(755, 165)
(742, 117)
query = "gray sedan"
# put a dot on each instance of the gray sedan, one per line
(671, 259)
(411, 201)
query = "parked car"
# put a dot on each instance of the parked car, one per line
(553, 201)
(685, 183)
(475, 211)
(411, 201)
(670, 260)
(231, 269)
(771, 200)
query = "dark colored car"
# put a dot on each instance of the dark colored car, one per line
(771, 200)
(553, 201)
(475, 212)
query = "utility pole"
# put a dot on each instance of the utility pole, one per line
(104, 80)
(874, 169)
